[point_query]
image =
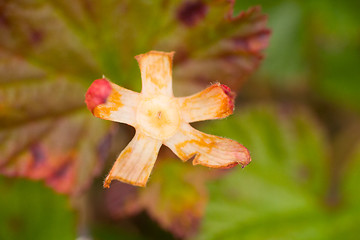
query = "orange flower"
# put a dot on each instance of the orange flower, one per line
(160, 118)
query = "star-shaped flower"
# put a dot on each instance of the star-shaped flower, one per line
(160, 118)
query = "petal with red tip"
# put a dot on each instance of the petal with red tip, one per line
(136, 161)
(97, 93)
(216, 101)
(209, 150)
(156, 72)
(109, 101)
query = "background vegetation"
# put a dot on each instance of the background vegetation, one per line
(297, 111)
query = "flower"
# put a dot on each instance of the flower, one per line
(160, 118)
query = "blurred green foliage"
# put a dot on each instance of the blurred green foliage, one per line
(282, 194)
(298, 115)
(314, 44)
(29, 210)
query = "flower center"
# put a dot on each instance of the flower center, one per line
(158, 117)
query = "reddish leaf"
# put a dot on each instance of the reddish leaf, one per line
(218, 46)
(122, 200)
(191, 13)
(49, 141)
(45, 132)
(175, 197)
(50, 51)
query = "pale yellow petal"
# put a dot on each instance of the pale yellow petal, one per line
(117, 103)
(136, 161)
(216, 101)
(209, 150)
(156, 72)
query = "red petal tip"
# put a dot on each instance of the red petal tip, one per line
(230, 165)
(97, 93)
(230, 94)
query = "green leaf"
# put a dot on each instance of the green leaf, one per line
(334, 40)
(352, 180)
(313, 50)
(278, 194)
(30, 210)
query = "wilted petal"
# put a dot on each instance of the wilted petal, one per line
(209, 150)
(217, 101)
(136, 161)
(156, 72)
(109, 101)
